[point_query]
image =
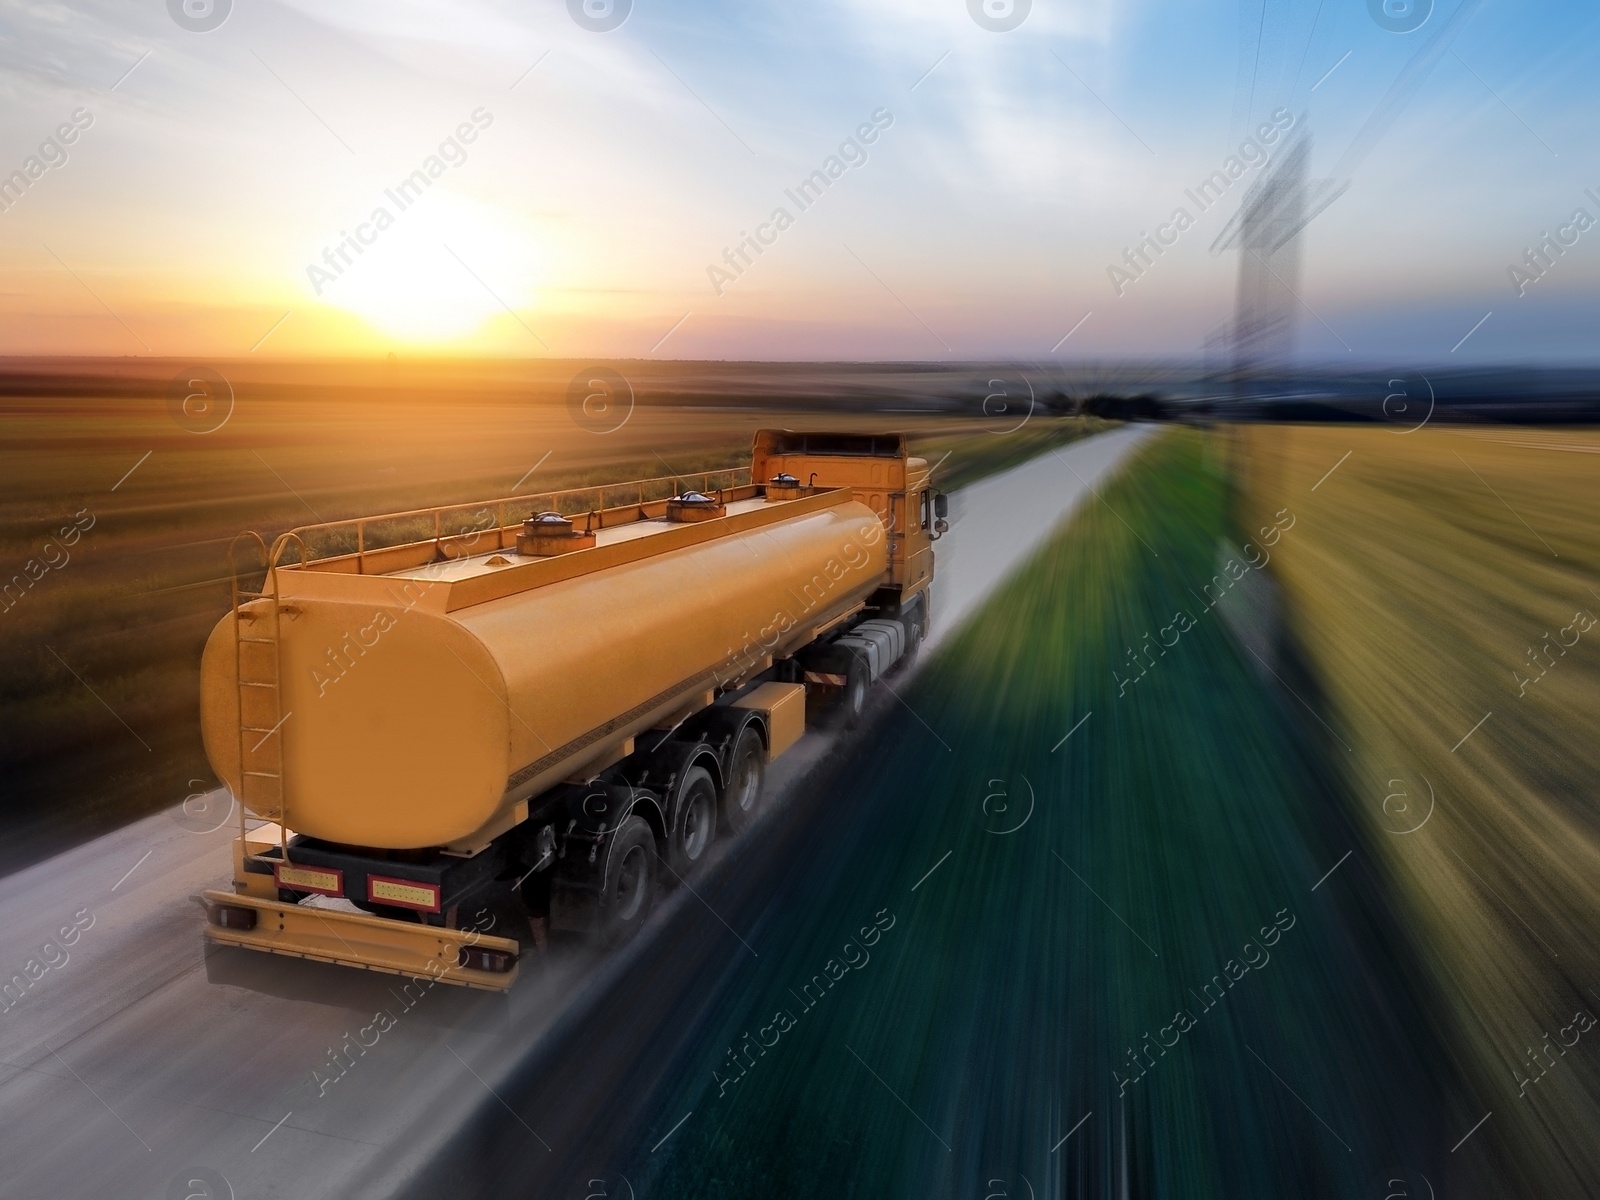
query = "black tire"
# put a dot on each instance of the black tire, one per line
(694, 824)
(628, 884)
(853, 701)
(747, 772)
(913, 643)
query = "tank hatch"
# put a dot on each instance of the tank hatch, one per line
(695, 506)
(549, 533)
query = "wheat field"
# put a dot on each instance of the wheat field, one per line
(1443, 585)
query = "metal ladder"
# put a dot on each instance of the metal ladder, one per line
(258, 674)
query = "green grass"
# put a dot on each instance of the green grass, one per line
(1176, 822)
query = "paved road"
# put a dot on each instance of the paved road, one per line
(137, 1062)
(997, 522)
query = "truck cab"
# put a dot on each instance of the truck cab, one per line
(885, 477)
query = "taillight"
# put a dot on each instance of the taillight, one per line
(476, 958)
(232, 916)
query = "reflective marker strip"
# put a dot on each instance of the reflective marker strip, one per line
(404, 892)
(329, 882)
(820, 677)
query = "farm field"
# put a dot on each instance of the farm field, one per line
(98, 711)
(1443, 586)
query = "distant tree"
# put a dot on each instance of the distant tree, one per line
(1125, 408)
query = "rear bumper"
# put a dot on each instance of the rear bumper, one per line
(356, 940)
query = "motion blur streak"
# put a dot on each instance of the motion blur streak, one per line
(1024, 973)
(1437, 577)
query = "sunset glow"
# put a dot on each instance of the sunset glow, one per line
(583, 189)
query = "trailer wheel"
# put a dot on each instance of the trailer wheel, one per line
(696, 822)
(628, 887)
(747, 769)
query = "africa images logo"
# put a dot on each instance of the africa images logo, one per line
(999, 16)
(599, 16)
(1400, 16)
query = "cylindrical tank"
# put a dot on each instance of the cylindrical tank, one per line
(406, 724)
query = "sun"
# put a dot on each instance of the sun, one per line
(438, 271)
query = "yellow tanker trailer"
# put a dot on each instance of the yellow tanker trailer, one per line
(454, 739)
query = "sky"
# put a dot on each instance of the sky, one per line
(589, 175)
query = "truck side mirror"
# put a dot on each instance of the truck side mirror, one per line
(941, 505)
(941, 526)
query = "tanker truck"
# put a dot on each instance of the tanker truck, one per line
(449, 731)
